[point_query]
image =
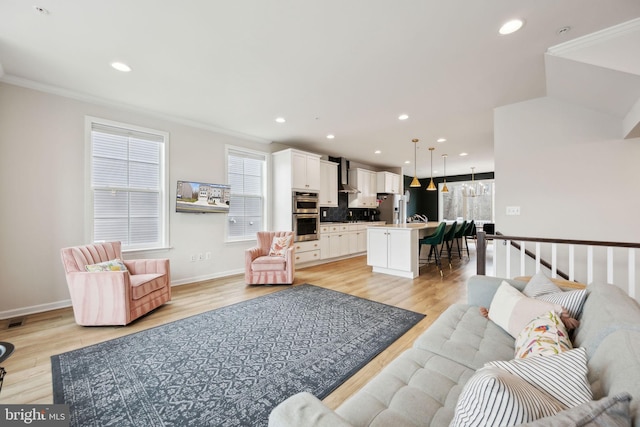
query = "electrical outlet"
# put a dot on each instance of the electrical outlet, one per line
(193, 258)
(207, 255)
(513, 210)
(200, 256)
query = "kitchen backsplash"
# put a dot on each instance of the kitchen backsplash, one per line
(341, 213)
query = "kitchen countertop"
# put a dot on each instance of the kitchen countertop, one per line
(409, 225)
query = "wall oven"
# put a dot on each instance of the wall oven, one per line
(304, 203)
(305, 226)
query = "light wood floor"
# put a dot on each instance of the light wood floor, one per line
(28, 379)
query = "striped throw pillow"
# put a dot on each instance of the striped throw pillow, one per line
(507, 393)
(563, 376)
(494, 397)
(572, 301)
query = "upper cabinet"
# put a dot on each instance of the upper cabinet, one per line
(296, 170)
(328, 184)
(366, 182)
(388, 182)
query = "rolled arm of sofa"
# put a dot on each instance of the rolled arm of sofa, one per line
(304, 409)
(481, 289)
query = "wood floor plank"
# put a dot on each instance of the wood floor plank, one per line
(28, 379)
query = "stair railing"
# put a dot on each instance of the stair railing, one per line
(552, 245)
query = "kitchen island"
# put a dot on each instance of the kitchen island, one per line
(393, 248)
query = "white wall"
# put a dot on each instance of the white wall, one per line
(42, 186)
(568, 170)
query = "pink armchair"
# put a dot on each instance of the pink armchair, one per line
(113, 297)
(261, 269)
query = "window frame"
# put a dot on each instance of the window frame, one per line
(164, 192)
(265, 189)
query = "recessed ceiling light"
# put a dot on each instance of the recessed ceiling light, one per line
(121, 66)
(377, 152)
(406, 162)
(464, 154)
(403, 117)
(442, 140)
(331, 136)
(280, 120)
(511, 26)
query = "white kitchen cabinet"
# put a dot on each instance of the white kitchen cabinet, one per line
(296, 170)
(328, 184)
(293, 170)
(366, 182)
(342, 239)
(388, 182)
(307, 251)
(393, 251)
(306, 171)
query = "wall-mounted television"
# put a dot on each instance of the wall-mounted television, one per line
(201, 197)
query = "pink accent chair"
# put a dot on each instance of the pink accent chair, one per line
(261, 269)
(113, 297)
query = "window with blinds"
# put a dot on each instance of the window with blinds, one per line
(128, 186)
(247, 176)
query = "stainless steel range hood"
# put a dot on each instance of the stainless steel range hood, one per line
(344, 186)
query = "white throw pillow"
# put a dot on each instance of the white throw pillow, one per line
(512, 311)
(280, 245)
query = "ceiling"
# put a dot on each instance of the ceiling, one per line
(347, 68)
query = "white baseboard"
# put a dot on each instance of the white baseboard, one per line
(18, 312)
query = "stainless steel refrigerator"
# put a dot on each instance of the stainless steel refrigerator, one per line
(393, 208)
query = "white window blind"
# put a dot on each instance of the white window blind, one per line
(246, 172)
(128, 186)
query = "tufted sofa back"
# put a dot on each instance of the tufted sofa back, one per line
(75, 258)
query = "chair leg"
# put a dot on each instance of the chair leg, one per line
(437, 257)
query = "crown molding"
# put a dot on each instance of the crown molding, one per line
(595, 38)
(30, 84)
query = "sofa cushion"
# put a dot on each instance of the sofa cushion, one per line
(543, 336)
(614, 368)
(607, 309)
(417, 388)
(462, 334)
(512, 310)
(269, 263)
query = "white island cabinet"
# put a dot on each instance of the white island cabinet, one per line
(393, 250)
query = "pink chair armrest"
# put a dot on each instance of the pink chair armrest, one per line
(148, 266)
(252, 253)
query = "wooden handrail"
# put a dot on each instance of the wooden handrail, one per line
(500, 236)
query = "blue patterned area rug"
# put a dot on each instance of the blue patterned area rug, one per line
(230, 366)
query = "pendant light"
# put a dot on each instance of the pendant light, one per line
(415, 182)
(444, 187)
(432, 186)
(475, 188)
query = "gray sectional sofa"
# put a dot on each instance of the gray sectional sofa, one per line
(421, 386)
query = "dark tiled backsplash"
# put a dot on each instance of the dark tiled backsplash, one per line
(341, 213)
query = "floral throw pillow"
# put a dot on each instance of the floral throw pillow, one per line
(543, 336)
(111, 265)
(279, 245)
